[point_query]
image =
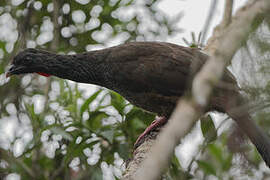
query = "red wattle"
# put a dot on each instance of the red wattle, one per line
(43, 74)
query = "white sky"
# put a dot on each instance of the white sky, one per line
(195, 14)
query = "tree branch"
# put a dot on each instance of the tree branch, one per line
(139, 155)
(227, 16)
(53, 46)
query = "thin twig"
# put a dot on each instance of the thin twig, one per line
(204, 145)
(208, 21)
(227, 16)
(53, 47)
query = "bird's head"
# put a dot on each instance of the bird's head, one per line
(28, 61)
(77, 67)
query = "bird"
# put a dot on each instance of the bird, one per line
(150, 75)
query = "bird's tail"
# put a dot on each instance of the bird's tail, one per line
(257, 136)
(232, 103)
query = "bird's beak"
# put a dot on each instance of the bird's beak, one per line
(9, 73)
(14, 70)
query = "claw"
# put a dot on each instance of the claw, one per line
(158, 122)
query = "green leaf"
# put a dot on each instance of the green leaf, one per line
(123, 150)
(89, 101)
(109, 134)
(176, 171)
(208, 129)
(75, 150)
(31, 111)
(227, 163)
(216, 152)
(46, 163)
(138, 119)
(137, 113)
(176, 162)
(118, 102)
(95, 120)
(97, 174)
(206, 167)
(62, 132)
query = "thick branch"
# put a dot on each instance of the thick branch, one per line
(139, 155)
(187, 112)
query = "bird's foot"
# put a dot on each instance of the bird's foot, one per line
(158, 122)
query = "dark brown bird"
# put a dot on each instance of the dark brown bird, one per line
(151, 75)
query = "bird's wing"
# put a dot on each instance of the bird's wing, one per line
(153, 67)
(162, 68)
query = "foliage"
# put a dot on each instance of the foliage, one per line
(67, 132)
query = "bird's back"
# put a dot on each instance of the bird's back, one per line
(153, 75)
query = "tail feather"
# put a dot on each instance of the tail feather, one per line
(257, 136)
(229, 103)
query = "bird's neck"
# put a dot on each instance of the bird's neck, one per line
(83, 68)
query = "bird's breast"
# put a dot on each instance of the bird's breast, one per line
(152, 102)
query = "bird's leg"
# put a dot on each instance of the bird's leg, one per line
(158, 122)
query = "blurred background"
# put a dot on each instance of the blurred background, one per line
(57, 129)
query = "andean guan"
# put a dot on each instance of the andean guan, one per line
(151, 75)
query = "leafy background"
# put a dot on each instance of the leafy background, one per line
(57, 129)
